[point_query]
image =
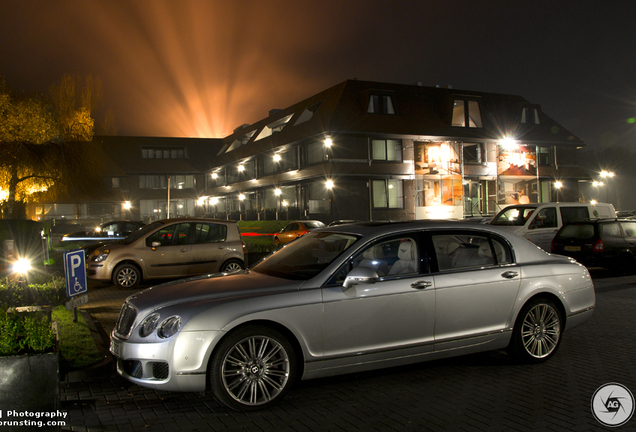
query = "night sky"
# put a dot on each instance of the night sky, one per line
(200, 68)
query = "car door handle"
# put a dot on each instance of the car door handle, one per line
(421, 284)
(509, 274)
(183, 250)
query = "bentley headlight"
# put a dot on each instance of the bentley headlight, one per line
(99, 257)
(169, 327)
(148, 325)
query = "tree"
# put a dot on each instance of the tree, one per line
(35, 138)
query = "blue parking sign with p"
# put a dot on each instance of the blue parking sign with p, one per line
(75, 271)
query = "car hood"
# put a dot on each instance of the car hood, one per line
(211, 287)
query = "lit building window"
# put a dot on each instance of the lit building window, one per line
(466, 113)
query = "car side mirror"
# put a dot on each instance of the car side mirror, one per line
(360, 276)
(155, 245)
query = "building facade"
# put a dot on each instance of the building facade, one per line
(359, 150)
(376, 151)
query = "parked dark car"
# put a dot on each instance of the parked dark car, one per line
(607, 243)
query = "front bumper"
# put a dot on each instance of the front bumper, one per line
(176, 364)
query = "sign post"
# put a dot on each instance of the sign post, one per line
(75, 273)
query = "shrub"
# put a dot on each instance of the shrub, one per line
(25, 332)
(51, 292)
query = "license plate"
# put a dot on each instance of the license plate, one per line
(115, 348)
(573, 248)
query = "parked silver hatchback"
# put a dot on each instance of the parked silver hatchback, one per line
(171, 248)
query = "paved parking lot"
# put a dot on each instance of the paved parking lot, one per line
(485, 392)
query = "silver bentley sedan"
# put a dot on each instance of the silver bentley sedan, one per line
(350, 298)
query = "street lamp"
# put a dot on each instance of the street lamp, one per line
(558, 185)
(607, 175)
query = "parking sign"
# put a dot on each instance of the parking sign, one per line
(75, 271)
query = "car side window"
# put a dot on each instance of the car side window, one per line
(210, 233)
(629, 228)
(571, 214)
(465, 250)
(388, 258)
(546, 218)
(165, 236)
(183, 231)
(610, 230)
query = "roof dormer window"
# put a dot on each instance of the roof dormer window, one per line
(466, 113)
(380, 104)
(530, 115)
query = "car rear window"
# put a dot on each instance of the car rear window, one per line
(577, 231)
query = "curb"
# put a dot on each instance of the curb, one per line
(97, 371)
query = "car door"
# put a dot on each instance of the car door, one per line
(542, 227)
(475, 287)
(391, 317)
(172, 257)
(208, 247)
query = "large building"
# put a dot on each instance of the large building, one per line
(359, 150)
(376, 151)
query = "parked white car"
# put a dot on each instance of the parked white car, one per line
(539, 223)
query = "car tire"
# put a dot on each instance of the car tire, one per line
(252, 368)
(537, 331)
(231, 266)
(126, 276)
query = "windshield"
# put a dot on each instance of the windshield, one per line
(316, 224)
(516, 216)
(141, 232)
(305, 257)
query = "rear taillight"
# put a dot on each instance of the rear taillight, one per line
(303, 233)
(598, 246)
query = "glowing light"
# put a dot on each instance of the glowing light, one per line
(328, 142)
(558, 184)
(215, 176)
(607, 174)
(277, 158)
(22, 265)
(593, 202)
(508, 142)
(278, 192)
(285, 203)
(329, 184)
(241, 197)
(597, 183)
(127, 205)
(201, 201)
(241, 168)
(214, 201)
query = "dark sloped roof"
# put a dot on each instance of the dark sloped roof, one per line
(420, 113)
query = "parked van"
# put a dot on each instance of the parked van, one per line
(540, 222)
